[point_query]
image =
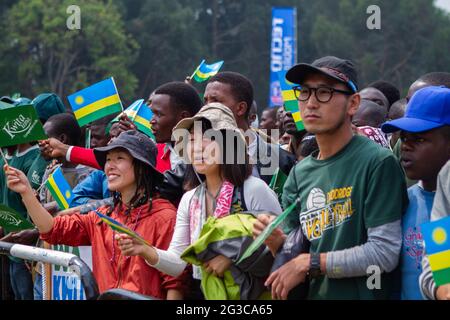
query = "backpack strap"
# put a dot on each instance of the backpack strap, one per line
(241, 193)
(238, 204)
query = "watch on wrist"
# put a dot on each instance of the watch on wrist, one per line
(314, 265)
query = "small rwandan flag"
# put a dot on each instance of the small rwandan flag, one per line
(437, 246)
(205, 71)
(95, 102)
(277, 182)
(117, 226)
(140, 114)
(290, 101)
(60, 189)
(259, 240)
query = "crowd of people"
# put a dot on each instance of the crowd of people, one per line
(357, 183)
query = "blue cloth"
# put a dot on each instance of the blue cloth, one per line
(37, 287)
(94, 187)
(21, 281)
(418, 212)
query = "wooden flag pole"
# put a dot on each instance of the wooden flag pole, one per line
(195, 71)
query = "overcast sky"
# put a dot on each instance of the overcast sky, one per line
(445, 4)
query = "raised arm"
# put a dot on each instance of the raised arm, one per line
(18, 182)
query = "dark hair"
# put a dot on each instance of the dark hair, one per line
(234, 172)
(389, 90)
(241, 87)
(254, 107)
(436, 79)
(397, 109)
(372, 113)
(273, 110)
(65, 123)
(308, 145)
(145, 187)
(182, 96)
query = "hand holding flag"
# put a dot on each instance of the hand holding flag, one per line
(259, 240)
(16, 180)
(118, 227)
(140, 115)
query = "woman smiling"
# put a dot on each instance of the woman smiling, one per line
(129, 164)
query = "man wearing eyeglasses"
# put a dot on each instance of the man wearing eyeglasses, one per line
(351, 195)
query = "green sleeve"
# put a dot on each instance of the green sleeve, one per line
(2, 180)
(290, 193)
(36, 172)
(387, 197)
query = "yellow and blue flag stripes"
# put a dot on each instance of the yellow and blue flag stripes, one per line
(205, 71)
(141, 114)
(290, 101)
(437, 246)
(60, 189)
(95, 102)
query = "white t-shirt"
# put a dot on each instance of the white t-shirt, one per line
(258, 197)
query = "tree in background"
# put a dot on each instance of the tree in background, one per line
(412, 41)
(53, 58)
(170, 40)
(174, 35)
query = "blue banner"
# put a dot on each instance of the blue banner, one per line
(283, 49)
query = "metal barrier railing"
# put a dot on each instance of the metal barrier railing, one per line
(68, 260)
(122, 294)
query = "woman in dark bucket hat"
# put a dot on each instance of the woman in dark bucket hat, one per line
(141, 148)
(129, 164)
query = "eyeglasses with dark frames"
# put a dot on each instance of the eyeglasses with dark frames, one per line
(323, 94)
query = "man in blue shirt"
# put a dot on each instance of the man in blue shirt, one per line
(425, 136)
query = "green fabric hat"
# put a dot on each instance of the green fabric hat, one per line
(47, 105)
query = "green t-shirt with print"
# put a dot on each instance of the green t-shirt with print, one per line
(36, 172)
(23, 162)
(360, 187)
(2, 179)
(2, 175)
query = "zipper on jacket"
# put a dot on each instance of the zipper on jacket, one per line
(119, 270)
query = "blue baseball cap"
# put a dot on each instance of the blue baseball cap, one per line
(429, 108)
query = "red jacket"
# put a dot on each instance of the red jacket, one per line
(163, 158)
(110, 268)
(84, 156)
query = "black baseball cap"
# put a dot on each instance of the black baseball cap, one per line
(336, 68)
(139, 145)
